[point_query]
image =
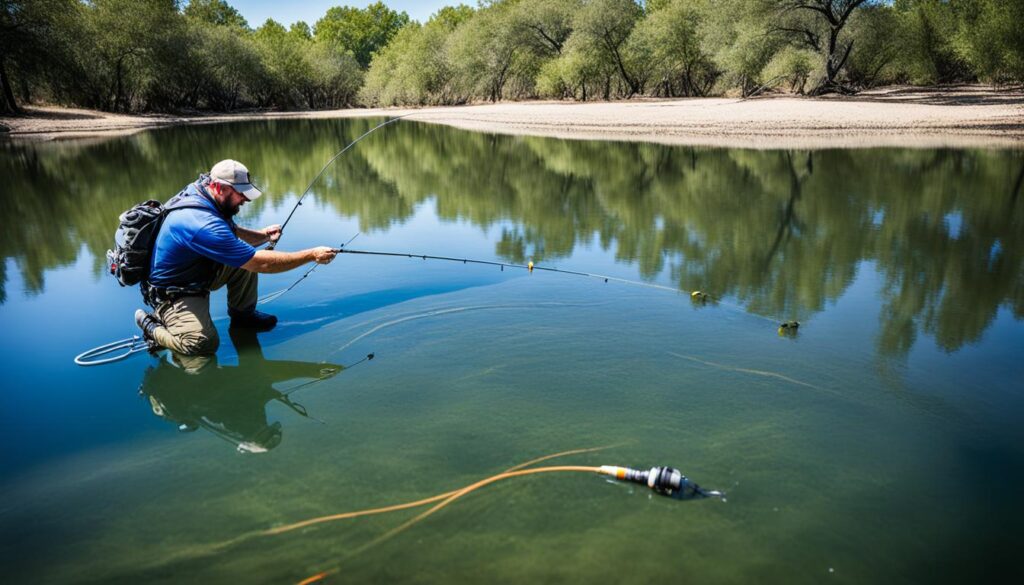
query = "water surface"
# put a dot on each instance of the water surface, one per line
(882, 443)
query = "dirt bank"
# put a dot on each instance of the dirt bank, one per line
(966, 116)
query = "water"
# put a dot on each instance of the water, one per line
(882, 443)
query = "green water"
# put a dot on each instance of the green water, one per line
(882, 444)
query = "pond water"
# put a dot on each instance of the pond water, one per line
(881, 443)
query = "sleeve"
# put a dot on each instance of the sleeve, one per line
(216, 241)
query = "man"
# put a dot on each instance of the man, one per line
(198, 249)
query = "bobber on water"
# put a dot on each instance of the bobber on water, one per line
(789, 328)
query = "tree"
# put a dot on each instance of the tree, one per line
(127, 36)
(736, 33)
(875, 29)
(546, 24)
(485, 50)
(229, 65)
(33, 38)
(669, 39)
(361, 31)
(216, 12)
(818, 25)
(603, 27)
(336, 76)
(415, 67)
(281, 52)
(575, 74)
(991, 38)
(927, 41)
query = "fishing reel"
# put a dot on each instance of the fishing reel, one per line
(665, 481)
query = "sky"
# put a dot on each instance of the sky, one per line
(310, 11)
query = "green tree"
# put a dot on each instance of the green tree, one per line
(927, 42)
(669, 38)
(361, 31)
(283, 54)
(819, 25)
(229, 64)
(129, 37)
(875, 30)
(736, 35)
(336, 76)
(793, 66)
(216, 12)
(415, 68)
(545, 24)
(602, 27)
(35, 37)
(991, 38)
(486, 51)
(574, 74)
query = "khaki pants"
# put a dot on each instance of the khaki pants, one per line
(187, 328)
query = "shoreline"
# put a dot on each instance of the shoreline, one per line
(963, 117)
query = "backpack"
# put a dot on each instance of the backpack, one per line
(134, 239)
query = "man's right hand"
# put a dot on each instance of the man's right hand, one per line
(323, 254)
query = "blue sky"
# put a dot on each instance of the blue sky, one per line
(257, 11)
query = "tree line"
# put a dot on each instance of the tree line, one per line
(167, 55)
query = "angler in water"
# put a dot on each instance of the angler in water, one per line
(199, 248)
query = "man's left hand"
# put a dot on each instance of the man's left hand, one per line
(273, 233)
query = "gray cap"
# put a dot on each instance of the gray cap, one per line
(235, 174)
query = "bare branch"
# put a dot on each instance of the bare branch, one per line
(846, 54)
(811, 38)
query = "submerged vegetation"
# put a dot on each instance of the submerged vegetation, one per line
(167, 55)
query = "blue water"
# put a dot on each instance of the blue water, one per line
(881, 443)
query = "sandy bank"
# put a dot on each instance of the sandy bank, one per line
(969, 116)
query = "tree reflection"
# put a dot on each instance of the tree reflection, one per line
(784, 232)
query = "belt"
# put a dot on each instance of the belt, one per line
(155, 295)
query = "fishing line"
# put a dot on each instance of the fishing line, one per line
(274, 295)
(212, 549)
(663, 480)
(417, 503)
(326, 373)
(439, 312)
(764, 373)
(114, 351)
(787, 328)
(295, 208)
(529, 267)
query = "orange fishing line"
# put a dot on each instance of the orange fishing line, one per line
(451, 497)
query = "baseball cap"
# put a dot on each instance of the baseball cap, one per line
(235, 174)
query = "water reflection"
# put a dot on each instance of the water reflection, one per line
(783, 232)
(230, 401)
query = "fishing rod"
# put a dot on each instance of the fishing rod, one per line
(698, 297)
(326, 373)
(295, 208)
(529, 266)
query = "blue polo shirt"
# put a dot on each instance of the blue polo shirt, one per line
(194, 243)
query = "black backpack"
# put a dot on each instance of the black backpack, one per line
(133, 241)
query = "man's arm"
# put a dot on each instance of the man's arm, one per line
(258, 237)
(272, 261)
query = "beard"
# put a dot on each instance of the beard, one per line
(231, 210)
